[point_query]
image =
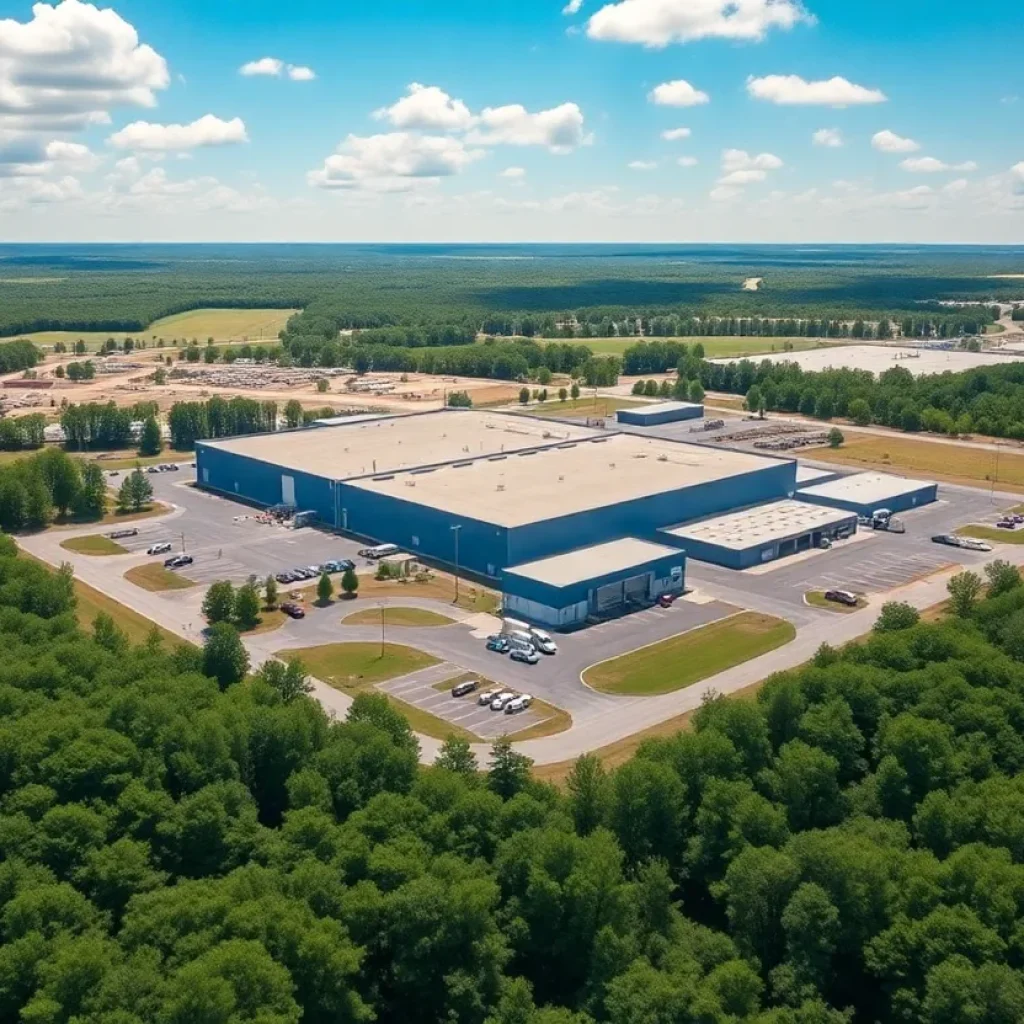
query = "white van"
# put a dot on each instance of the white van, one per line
(380, 551)
(520, 638)
(542, 641)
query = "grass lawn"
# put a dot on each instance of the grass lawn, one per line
(714, 348)
(397, 617)
(131, 461)
(580, 408)
(94, 544)
(90, 602)
(354, 668)
(816, 599)
(270, 619)
(115, 518)
(992, 535)
(936, 460)
(438, 587)
(219, 324)
(153, 576)
(690, 657)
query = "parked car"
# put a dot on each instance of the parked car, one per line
(114, 472)
(973, 544)
(666, 600)
(1016, 517)
(159, 549)
(520, 703)
(842, 597)
(293, 610)
(950, 539)
(499, 702)
(486, 697)
(466, 686)
(178, 561)
(527, 654)
(543, 642)
(118, 534)
(498, 643)
(1006, 524)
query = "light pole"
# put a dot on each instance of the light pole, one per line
(456, 529)
(383, 615)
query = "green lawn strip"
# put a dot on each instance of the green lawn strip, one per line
(153, 576)
(579, 408)
(990, 533)
(686, 659)
(93, 544)
(397, 617)
(113, 517)
(354, 667)
(816, 599)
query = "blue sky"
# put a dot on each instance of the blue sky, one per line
(818, 120)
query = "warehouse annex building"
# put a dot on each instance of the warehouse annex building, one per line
(564, 517)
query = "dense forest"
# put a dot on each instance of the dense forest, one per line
(186, 841)
(451, 291)
(48, 485)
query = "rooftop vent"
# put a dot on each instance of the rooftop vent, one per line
(410, 483)
(500, 487)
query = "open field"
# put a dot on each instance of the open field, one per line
(992, 535)
(932, 459)
(94, 544)
(219, 324)
(396, 617)
(690, 657)
(439, 587)
(356, 667)
(816, 599)
(578, 409)
(714, 348)
(153, 576)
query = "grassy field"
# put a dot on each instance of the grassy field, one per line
(94, 544)
(129, 461)
(932, 459)
(153, 576)
(714, 348)
(816, 599)
(690, 657)
(113, 517)
(270, 619)
(397, 617)
(356, 667)
(219, 324)
(439, 587)
(580, 408)
(992, 535)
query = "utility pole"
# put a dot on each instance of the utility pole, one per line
(183, 543)
(383, 617)
(456, 530)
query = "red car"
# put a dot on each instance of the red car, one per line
(666, 600)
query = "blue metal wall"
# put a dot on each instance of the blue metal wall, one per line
(641, 417)
(923, 495)
(562, 597)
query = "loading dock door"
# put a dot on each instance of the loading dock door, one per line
(287, 490)
(638, 588)
(607, 598)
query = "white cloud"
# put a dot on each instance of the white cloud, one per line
(792, 90)
(25, 155)
(929, 165)
(956, 187)
(393, 162)
(28, 192)
(830, 138)
(428, 107)
(677, 94)
(642, 165)
(573, 7)
(687, 161)
(656, 23)
(560, 129)
(1017, 170)
(723, 193)
(205, 131)
(889, 142)
(739, 168)
(675, 134)
(269, 66)
(274, 67)
(70, 65)
(514, 173)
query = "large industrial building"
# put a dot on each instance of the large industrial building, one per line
(568, 520)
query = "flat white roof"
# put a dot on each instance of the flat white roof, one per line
(658, 407)
(866, 488)
(598, 560)
(879, 358)
(808, 474)
(345, 421)
(392, 443)
(762, 525)
(529, 487)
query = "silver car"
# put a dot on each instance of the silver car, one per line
(499, 702)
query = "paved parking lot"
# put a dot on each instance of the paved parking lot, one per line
(882, 571)
(419, 690)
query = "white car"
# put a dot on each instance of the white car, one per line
(486, 697)
(543, 642)
(518, 704)
(499, 702)
(159, 549)
(973, 544)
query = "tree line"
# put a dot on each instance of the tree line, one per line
(18, 355)
(49, 484)
(219, 417)
(179, 847)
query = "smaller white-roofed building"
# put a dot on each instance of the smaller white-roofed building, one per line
(565, 590)
(865, 493)
(657, 413)
(762, 534)
(807, 475)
